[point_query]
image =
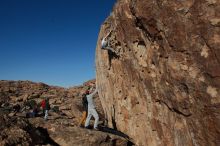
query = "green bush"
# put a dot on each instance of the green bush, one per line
(31, 103)
(55, 109)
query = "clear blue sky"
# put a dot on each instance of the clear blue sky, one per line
(50, 41)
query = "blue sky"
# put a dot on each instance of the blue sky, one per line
(50, 41)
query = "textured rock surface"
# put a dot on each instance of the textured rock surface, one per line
(62, 125)
(162, 84)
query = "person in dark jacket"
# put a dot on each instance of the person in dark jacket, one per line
(85, 109)
(33, 113)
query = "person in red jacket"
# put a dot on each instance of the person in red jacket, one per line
(46, 107)
(43, 105)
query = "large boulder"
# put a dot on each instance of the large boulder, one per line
(161, 85)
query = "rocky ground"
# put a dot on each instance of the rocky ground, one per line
(62, 126)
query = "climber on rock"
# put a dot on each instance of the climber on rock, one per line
(105, 43)
(85, 109)
(91, 109)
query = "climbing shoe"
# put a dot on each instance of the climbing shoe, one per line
(97, 129)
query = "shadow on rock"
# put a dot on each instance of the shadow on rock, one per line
(41, 136)
(116, 132)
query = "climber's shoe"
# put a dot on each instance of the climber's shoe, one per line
(97, 129)
(87, 127)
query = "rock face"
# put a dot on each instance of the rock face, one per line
(62, 125)
(161, 86)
